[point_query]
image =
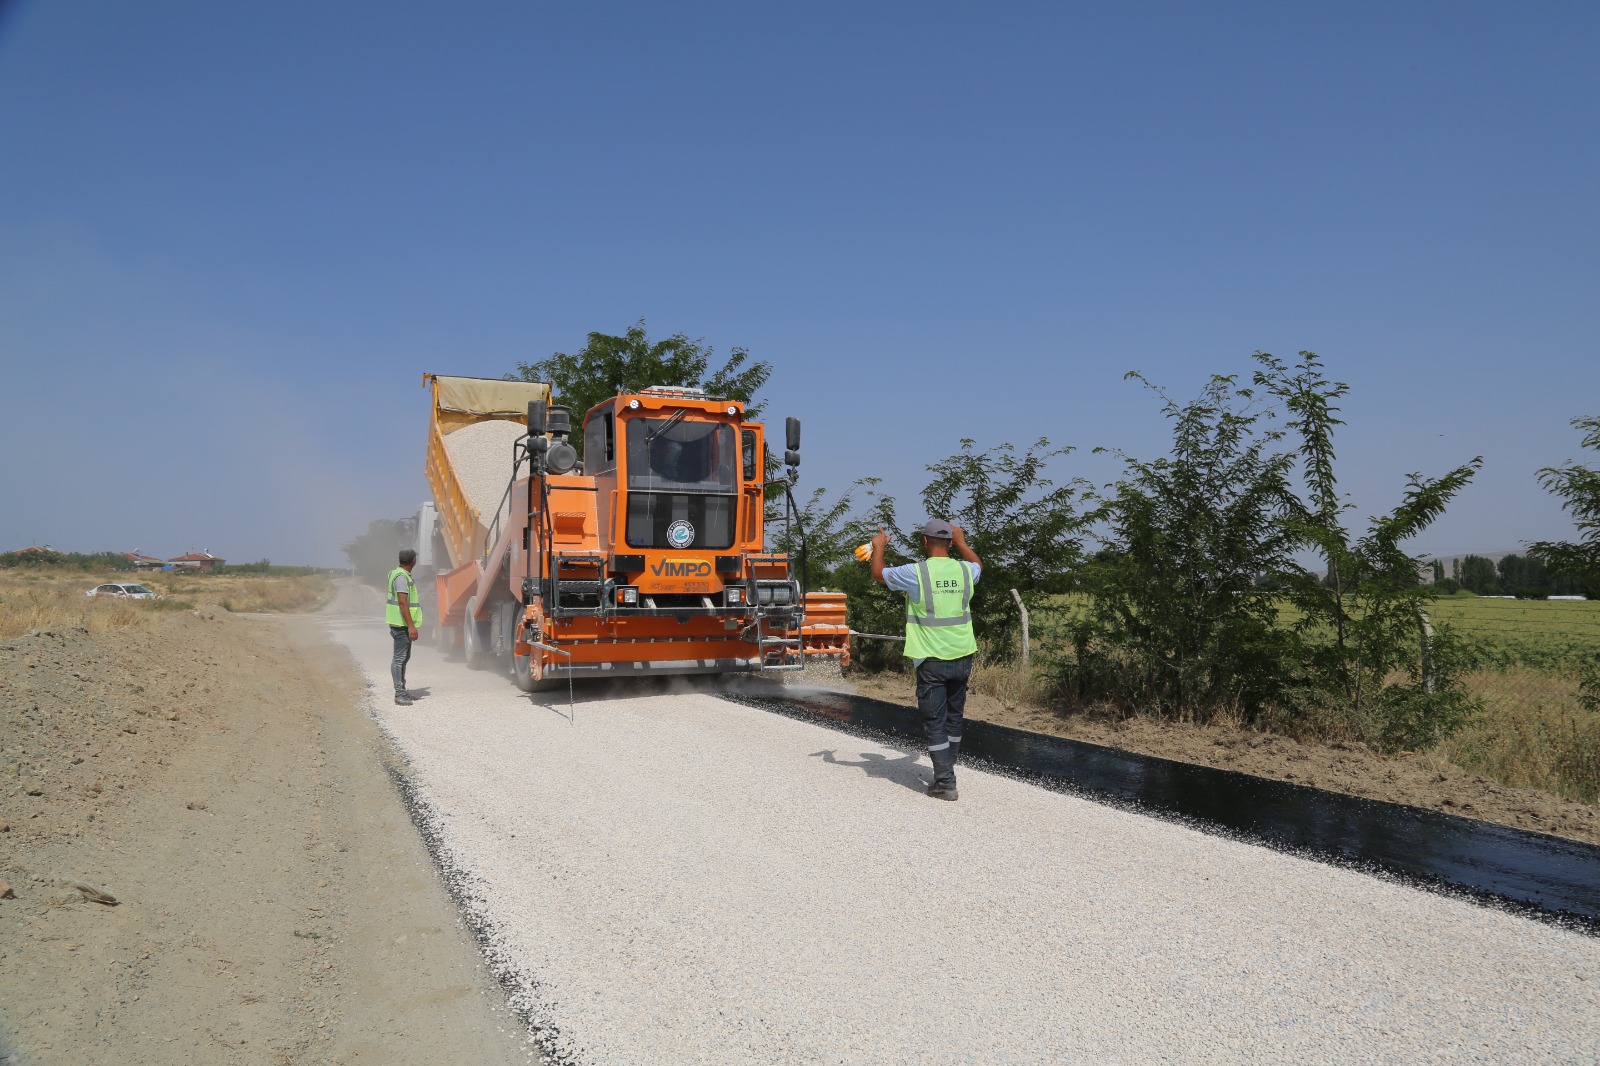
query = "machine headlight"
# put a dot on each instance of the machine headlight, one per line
(736, 595)
(628, 596)
(633, 405)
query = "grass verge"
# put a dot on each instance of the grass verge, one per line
(1534, 732)
(30, 599)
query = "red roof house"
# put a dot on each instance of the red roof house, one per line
(202, 562)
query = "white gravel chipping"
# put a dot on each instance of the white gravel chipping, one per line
(481, 456)
(678, 879)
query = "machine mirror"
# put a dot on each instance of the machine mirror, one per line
(791, 430)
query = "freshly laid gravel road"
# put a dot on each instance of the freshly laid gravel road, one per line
(675, 878)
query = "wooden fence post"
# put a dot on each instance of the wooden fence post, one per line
(1015, 595)
(1427, 651)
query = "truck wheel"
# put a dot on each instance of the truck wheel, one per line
(522, 671)
(502, 634)
(528, 670)
(473, 638)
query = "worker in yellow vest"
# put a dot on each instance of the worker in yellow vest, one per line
(404, 615)
(939, 639)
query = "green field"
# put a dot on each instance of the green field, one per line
(1553, 634)
(1550, 634)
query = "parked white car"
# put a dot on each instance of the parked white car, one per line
(132, 592)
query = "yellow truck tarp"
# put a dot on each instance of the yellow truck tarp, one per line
(484, 397)
(459, 402)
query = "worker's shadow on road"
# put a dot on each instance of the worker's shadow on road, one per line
(902, 771)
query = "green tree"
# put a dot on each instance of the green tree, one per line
(1524, 576)
(1478, 575)
(1027, 529)
(373, 554)
(607, 365)
(1579, 489)
(48, 558)
(832, 532)
(1175, 622)
(1373, 611)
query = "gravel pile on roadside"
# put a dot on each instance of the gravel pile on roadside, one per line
(481, 456)
(673, 878)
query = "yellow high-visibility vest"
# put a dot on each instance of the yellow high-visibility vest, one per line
(939, 617)
(392, 613)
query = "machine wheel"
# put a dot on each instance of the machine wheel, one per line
(528, 670)
(522, 669)
(502, 633)
(473, 638)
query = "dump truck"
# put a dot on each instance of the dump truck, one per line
(649, 557)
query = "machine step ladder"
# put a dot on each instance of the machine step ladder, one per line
(776, 654)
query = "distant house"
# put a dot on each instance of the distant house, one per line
(197, 562)
(143, 562)
(34, 555)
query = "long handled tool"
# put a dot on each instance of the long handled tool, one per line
(572, 703)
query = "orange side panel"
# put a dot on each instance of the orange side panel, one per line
(825, 634)
(825, 608)
(454, 589)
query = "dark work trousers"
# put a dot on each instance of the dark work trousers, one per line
(942, 699)
(402, 655)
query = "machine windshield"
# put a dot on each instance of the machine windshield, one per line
(682, 483)
(677, 455)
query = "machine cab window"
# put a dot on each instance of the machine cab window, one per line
(600, 443)
(683, 483)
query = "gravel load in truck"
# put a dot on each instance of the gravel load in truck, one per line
(481, 457)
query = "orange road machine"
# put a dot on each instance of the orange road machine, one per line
(648, 558)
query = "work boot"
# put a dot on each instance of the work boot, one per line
(402, 700)
(944, 775)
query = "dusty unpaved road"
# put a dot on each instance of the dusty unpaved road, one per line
(664, 876)
(220, 778)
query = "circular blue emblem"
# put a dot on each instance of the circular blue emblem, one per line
(680, 534)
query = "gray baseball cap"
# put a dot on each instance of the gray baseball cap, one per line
(938, 529)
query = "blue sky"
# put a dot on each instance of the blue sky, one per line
(233, 237)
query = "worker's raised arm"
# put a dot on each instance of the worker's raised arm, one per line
(880, 544)
(958, 541)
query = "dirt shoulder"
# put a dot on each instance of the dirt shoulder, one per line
(219, 778)
(1420, 780)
